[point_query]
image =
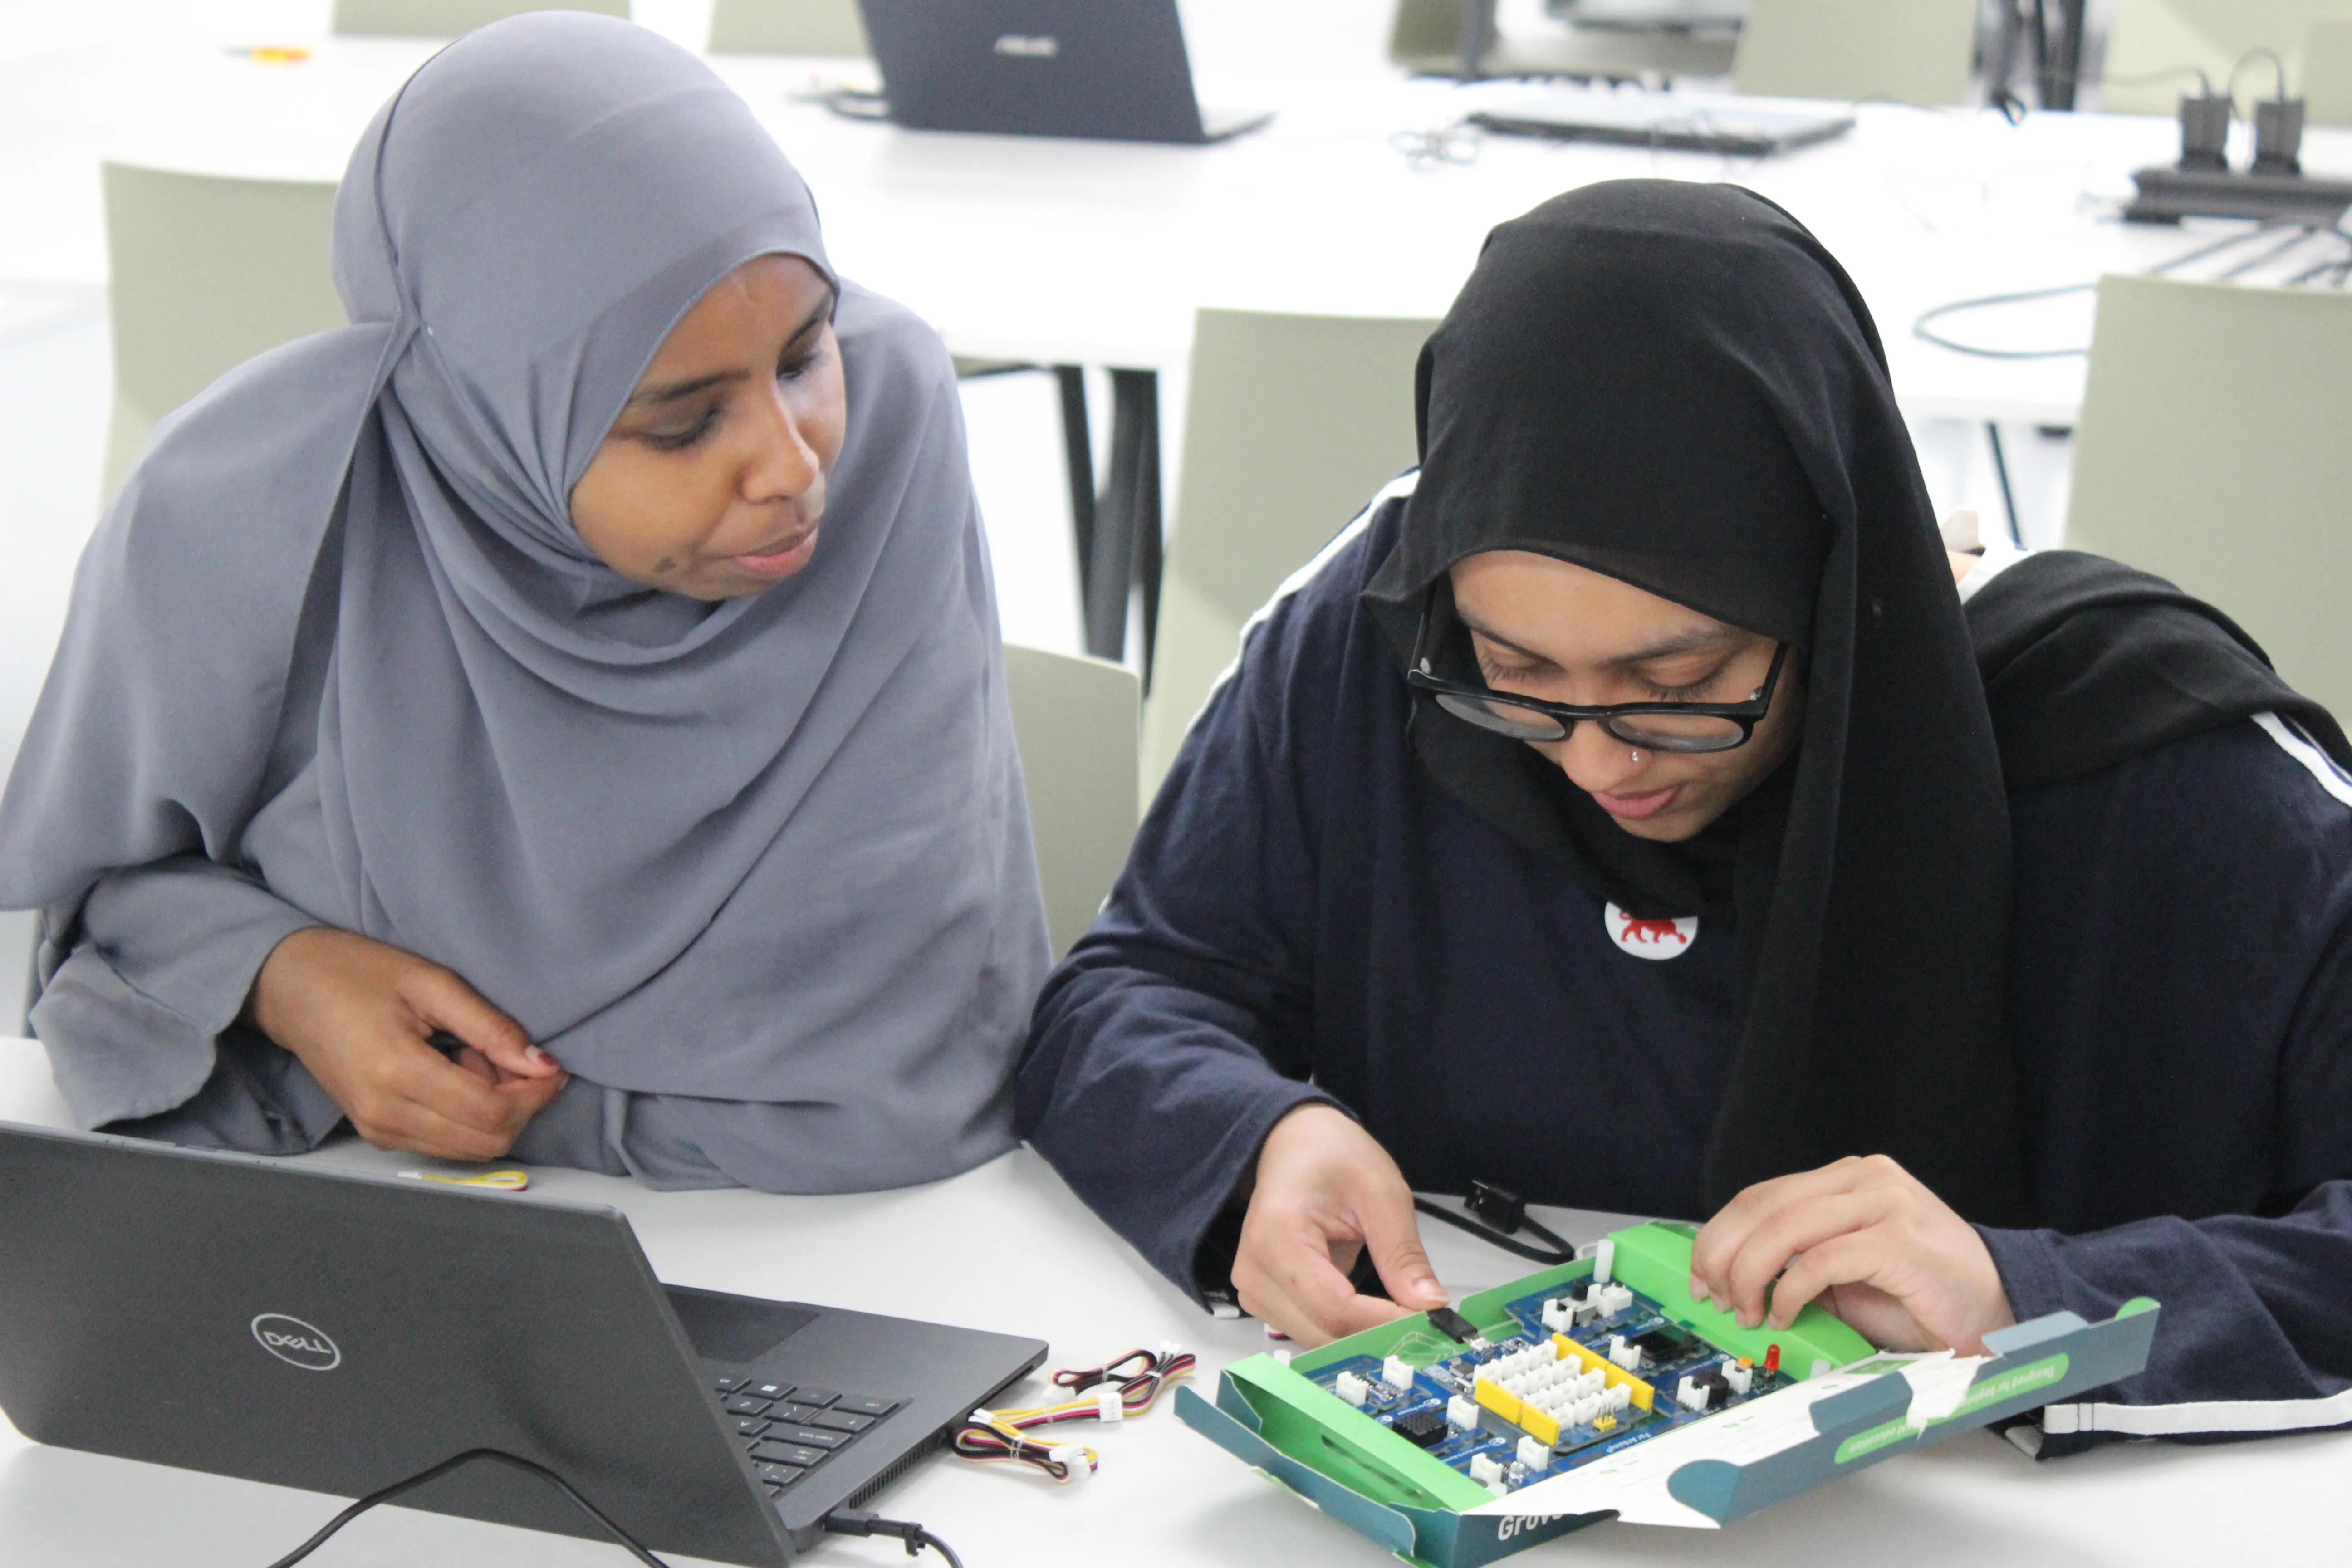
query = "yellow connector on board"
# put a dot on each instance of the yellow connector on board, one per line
(1645, 1396)
(1499, 1399)
(1543, 1428)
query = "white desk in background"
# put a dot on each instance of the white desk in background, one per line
(1007, 1248)
(1099, 254)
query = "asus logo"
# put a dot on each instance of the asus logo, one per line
(296, 1343)
(1029, 45)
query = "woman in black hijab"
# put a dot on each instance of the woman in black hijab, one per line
(1622, 812)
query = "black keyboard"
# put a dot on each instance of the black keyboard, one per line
(791, 1431)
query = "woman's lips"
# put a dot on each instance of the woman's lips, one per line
(783, 561)
(1634, 807)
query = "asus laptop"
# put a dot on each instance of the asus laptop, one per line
(1113, 71)
(1740, 127)
(340, 1333)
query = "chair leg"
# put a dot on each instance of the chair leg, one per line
(2000, 471)
(1078, 453)
(1125, 552)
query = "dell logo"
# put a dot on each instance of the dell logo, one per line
(1029, 45)
(296, 1343)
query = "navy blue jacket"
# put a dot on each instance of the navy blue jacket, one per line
(1307, 915)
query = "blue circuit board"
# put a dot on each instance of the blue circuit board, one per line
(1442, 1370)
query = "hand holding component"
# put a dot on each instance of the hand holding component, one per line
(360, 1014)
(1325, 1190)
(1867, 1239)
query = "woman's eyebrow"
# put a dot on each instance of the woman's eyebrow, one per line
(1491, 635)
(1693, 640)
(672, 391)
(1688, 641)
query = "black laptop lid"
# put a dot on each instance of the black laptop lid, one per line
(1110, 69)
(338, 1333)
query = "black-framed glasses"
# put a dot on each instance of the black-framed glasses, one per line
(1660, 726)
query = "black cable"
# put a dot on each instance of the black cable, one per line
(385, 1494)
(1560, 1251)
(852, 1522)
(2000, 471)
(1934, 313)
(2197, 253)
(2259, 50)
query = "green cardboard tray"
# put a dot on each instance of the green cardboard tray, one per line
(1270, 1416)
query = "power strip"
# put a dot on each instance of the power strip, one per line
(2169, 193)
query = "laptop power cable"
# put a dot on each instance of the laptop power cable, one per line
(840, 1522)
(850, 1522)
(385, 1494)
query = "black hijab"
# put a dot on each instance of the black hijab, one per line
(1675, 384)
(2088, 662)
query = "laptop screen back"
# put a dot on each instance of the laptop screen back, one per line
(1110, 69)
(338, 1333)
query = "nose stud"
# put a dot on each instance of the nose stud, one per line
(1637, 758)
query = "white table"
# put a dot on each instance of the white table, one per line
(1100, 254)
(1007, 1248)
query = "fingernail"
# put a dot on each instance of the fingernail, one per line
(1698, 1290)
(536, 1056)
(1750, 1320)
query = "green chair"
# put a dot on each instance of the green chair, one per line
(2327, 72)
(1074, 719)
(2211, 451)
(1292, 423)
(448, 19)
(1905, 51)
(1425, 37)
(830, 29)
(2146, 39)
(205, 273)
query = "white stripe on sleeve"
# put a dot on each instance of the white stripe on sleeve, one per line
(2317, 763)
(2203, 1416)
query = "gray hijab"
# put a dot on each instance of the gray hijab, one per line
(770, 850)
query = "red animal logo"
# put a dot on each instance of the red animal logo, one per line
(1637, 929)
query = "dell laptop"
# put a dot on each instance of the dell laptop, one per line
(340, 1332)
(1108, 69)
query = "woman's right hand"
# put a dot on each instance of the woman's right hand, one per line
(1324, 1192)
(357, 1013)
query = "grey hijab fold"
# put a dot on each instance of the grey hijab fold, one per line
(770, 850)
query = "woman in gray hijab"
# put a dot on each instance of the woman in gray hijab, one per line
(561, 712)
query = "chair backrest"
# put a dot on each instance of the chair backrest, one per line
(1908, 51)
(828, 28)
(2211, 451)
(1425, 35)
(448, 19)
(205, 273)
(1075, 718)
(1291, 424)
(2148, 39)
(2327, 72)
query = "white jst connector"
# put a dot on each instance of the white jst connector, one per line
(1073, 1455)
(1110, 1404)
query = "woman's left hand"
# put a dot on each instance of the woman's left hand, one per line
(1878, 1248)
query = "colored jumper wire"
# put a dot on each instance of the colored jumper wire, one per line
(1124, 1387)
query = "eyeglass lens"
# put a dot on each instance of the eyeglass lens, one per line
(1663, 731)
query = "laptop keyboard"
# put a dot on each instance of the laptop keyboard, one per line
(791, 1431)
